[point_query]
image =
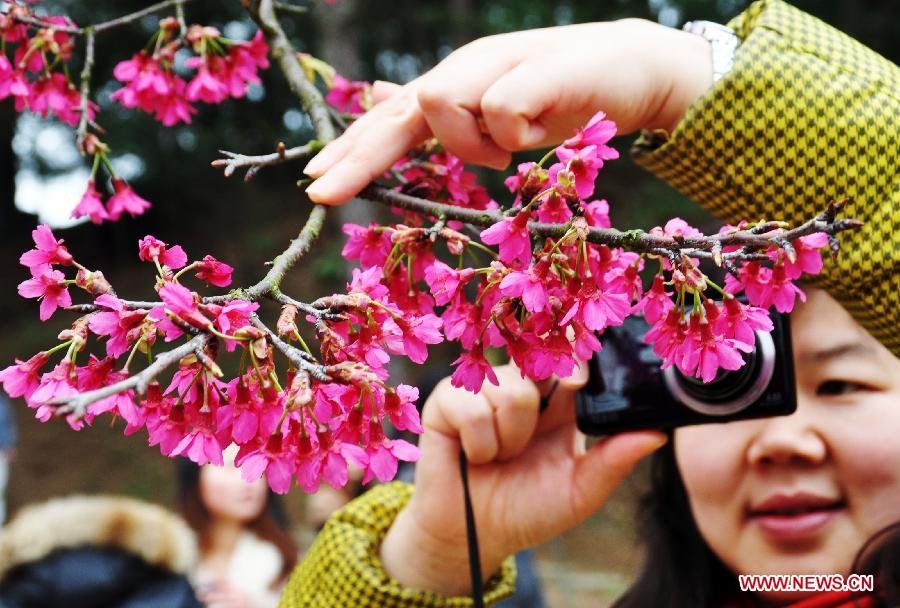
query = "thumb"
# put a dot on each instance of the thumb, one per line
(600, 470)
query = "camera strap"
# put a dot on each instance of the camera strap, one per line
(471, 532)
(471, 535)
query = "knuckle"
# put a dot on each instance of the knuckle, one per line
(432, 97)
(401, 108)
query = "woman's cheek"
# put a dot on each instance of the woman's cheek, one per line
(710, 461)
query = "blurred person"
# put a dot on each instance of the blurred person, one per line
(8, 439)
(246, 548)
(96, 552)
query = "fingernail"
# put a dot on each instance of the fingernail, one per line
(314, 167)
(314, 191)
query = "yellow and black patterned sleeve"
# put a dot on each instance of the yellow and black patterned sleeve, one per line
(342, 568)
(806, 115)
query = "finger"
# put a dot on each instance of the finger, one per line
(561, 403)
(451, 118)
(599, 471)
(371, 145)
(515, 403)
(510, 114)
(457, 413)
(382, 89)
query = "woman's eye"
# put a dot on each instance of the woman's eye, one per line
(832, 388)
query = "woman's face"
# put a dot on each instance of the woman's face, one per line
(226, 496)
(801, 494)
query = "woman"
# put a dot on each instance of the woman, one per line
(246, 550)
(804, 115)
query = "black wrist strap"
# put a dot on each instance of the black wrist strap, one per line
(471, 532)
(471, 536)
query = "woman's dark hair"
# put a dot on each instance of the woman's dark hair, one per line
(272, 524)
(681, 571)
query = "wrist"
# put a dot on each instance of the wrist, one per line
(418, 558)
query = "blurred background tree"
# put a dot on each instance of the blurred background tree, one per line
(247, 224)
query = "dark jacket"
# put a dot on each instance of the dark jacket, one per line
(97, 552)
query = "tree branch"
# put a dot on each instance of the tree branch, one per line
(81, 132)
(263, 12)
(78, 404)
(301, 359)
(105, 25)
(632, 240)
(236, 160)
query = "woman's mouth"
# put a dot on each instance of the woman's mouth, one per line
(794, 516)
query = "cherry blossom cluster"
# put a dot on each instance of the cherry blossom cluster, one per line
(223, 68)
(290, 426)
(547, 301)
(35, 73)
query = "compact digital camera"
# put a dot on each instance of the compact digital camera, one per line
(627, 390)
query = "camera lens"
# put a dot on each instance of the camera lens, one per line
(730, 391)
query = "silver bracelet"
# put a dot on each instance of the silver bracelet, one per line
(723, 41)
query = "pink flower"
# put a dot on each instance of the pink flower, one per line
(151, 248)
(528, 286)
(677, 227)
(271, 458)
(401, 407)
(553, 209)
(232, 317)
(348, 96)
(597, 213)
(598, 308)
(596, 133)
(512, 236)
(473, 369)
(55, 384)
(445, 281)
(200, 445)
(206, 86)
(368, 245)
(48, 250)
(584, 166)
(91, 205)
(657, 302)
(118, 323)
(125, 200)
(809, 260)
(49, 286)
(416, 332)
(215, 272)
(462, 321)
(21, 379)
(709, 353)
(384, 453)
(184, 304)
(740, 321)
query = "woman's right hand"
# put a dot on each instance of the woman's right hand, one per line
(519, 91)
(530, 478)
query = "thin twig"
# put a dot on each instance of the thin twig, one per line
(291, 8)
(105, 25)
(301, 359)
(78, 404)
(253, 164)
(633, 240)
(81, 132)
(284, 262)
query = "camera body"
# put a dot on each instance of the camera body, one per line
(627, 390)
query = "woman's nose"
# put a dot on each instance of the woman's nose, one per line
(784, 440)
